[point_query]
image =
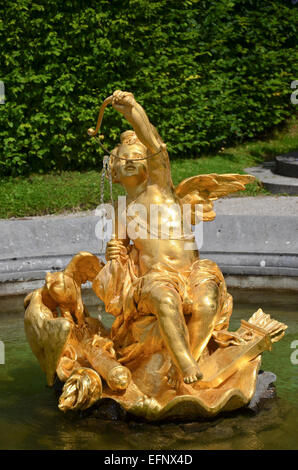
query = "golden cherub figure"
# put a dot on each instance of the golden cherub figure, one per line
(186, 295)
(169, 344)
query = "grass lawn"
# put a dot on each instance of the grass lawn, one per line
(70, 191)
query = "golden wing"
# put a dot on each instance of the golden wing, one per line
(46, 334)
(200, 191)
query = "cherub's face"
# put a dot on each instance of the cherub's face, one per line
(130, 172)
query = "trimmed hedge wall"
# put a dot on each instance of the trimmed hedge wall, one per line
(208, 73)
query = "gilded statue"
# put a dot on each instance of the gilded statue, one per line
(169, 351)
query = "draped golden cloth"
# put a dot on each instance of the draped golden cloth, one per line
(135, 331)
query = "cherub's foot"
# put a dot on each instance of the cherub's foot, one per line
(192, 374)
(173, 376)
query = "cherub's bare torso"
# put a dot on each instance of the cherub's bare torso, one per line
(170, 251)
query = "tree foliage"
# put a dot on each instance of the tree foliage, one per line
(208, 73)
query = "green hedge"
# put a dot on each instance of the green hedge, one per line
(208, 73)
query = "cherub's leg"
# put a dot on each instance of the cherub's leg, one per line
(166, 304)
(204, 315)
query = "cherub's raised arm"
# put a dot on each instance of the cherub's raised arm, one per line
(158, 164)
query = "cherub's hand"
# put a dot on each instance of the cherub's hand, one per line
(123, 101)
(114, 250)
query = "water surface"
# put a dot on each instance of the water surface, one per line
(30, 419)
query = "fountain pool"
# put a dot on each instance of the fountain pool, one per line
(30, 419)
